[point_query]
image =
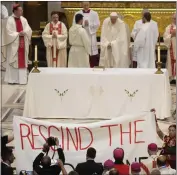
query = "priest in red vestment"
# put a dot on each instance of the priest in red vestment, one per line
(17, 42)
(55, 40)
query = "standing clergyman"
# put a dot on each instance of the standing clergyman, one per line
(80, 44)
(144, 44)
(18, 39)
(136, 28)
(114, 43)
(4, 17)
(55, 40)
(170, 41)
(91, 24)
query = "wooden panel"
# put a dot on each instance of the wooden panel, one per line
(35, 12)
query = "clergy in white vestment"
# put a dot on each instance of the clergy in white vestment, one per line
(150, 163)
(114, 43)
(80, 44)
(18, 37)
(91, 24)
(163, 168)
(55, 39)
(128, 36)
(136, 28)
(170, 41)
(144, 44)
(4, 16)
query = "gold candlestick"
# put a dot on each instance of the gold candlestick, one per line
(36, 70)
(159, 66)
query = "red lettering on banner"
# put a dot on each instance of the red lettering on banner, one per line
(41, 132)
(125, 132)
(32, 135)
(62, 136)
(75, 143)
(109, 129)
(80, 139)
(137, 131)
(27, 136)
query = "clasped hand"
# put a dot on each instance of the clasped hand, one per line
(54, 35)
(22, 33)
(86, 23)
(109, 45)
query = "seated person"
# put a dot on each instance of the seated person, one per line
(162, 166)
(118, 164)
(42, 164)
(7, 160)
(5, 140)
(108, 165)
(90, 167)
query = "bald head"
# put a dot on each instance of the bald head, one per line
(161, 161)
(113, 172)
(155, 172)
(86, 5)
(113, 17)
(46, 161)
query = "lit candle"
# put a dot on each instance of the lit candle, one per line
(159, 54)
(35, 53)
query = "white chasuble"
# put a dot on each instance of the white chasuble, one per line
(136, 28)
(94, 23)
(55, 47)
(117, 55)
(170, 42)
(80, 47)
(144, 47)
(17, 49)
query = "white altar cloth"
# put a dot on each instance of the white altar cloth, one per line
(84, 93)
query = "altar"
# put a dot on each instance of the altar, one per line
(100, 94)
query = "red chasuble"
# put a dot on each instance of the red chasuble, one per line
(21, 49)
(59, 33)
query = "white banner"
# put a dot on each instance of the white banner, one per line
(130, 132)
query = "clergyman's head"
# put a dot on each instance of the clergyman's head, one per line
(86, 5)
(17, 10)
(152, 149)
(113, 17)
(79, 18)
(146, 17)
(144, 11)
(55, 17)
(46, 161)
(174, 18)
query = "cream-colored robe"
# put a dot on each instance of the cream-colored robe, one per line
(167, 41)
(13, 73)
(4, 17)
(91, 29)
(80, 47)
(144, 47)
(60, 42)
(136, 28)
(117, 56)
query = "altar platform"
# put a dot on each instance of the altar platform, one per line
(86, 93)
